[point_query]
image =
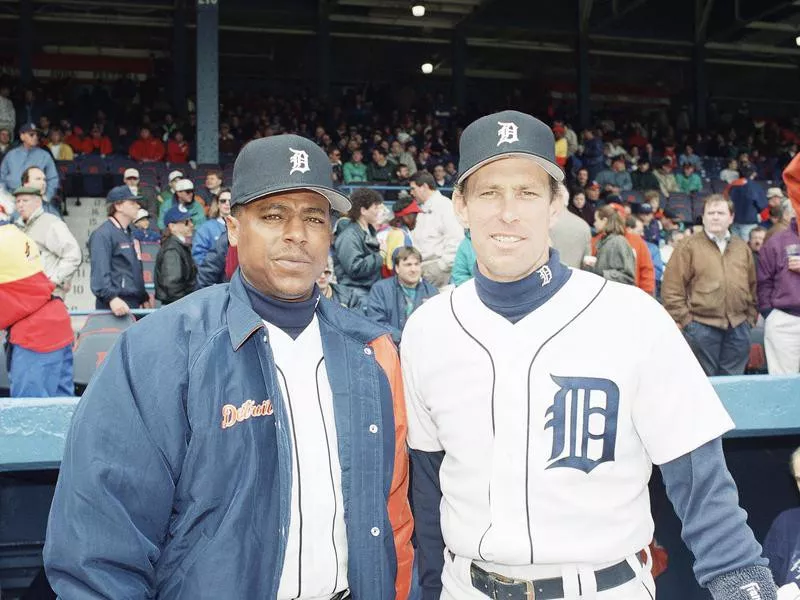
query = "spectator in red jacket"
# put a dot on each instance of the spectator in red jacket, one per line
(147, 148)
(178, 149)
(72, 137)
(96, 143)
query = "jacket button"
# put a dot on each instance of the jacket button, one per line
(375, 532)
(373, 428)
(368, 351)
(265, 339)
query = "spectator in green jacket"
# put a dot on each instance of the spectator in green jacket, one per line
(464, 265)
(689, 181)
(355, 171)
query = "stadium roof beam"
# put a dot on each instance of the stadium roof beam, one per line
(742, 23)
(617, 14)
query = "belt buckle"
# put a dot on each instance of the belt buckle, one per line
(530, 591)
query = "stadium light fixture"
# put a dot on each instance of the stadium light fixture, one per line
(427, 68)
(418, 10)
(797, 40)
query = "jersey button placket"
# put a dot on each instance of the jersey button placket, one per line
(375, 532)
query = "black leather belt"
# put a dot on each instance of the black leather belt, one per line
(499, 587)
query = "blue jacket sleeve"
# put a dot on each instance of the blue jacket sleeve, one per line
(212, 269)
(426, 496)
(100, 250)
(202, 242)
(113, 500)
(377, 308)
(51, 172)
(705, 499)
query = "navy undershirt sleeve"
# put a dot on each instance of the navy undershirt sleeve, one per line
(706, 501)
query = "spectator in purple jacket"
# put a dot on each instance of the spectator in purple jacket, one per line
(779, 299)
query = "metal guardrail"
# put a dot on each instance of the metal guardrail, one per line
(137, 312)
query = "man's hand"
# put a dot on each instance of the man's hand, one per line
(794, 264)
(119, 307)
(148, 304)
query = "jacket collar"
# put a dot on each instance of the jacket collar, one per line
(243, 321)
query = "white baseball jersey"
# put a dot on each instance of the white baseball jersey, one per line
(550, 426)
(315, 566)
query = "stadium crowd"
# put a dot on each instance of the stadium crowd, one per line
(693, 218)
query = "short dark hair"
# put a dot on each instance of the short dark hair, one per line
(216, 172)
(424, 178)
(362, 198)
(379, 150)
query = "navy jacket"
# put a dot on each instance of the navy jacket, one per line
(782, 547)
(748, 201)
(386, 304)
(116, 265)
(155, 499)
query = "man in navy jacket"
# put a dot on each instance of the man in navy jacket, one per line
(247, 441)
(391, 301)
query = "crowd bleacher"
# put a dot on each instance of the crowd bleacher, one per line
(105, 136)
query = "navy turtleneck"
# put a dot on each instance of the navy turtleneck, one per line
(515, 300)
(291, 317)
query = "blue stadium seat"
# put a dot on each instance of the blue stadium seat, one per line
(633, 197)
(93, 172)
(117, 165)
(682, 205)
(89, 351)
(106, 322)
(68, 175)
(150, 251)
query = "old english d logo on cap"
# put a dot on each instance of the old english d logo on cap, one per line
(299, 161)
(507, 134)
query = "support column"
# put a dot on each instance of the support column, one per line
(583, 86)
(702, 12)
(459, 70)
(180, 59)
(324, 50)
(25, 38)
(207, 81)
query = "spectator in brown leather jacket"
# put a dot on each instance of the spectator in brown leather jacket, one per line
(709, 289)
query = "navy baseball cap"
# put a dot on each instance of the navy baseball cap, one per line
(283, 163)
(28, 127)
(120, 194)
(507, 134)
(176, 215)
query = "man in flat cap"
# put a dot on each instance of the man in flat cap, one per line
(532, 441)
(247, 441)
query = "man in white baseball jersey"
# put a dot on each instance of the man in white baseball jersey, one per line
(532, 425)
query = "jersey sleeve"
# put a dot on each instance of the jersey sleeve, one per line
(675, 408)
(422, 434)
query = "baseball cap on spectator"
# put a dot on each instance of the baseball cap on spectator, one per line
(120, 194)
(130, 173)
(593, 185)
(746, 171)
(507, 134)
(142, 214)
(283, 163)
(641, 208)
(671, 215)
(27, 189)
(184, 185)
(774, 192)
(791, 177)
(28, 127)
(666, 162)
(177, 215)
(174, 175)
(406, 206)
(559, 130)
